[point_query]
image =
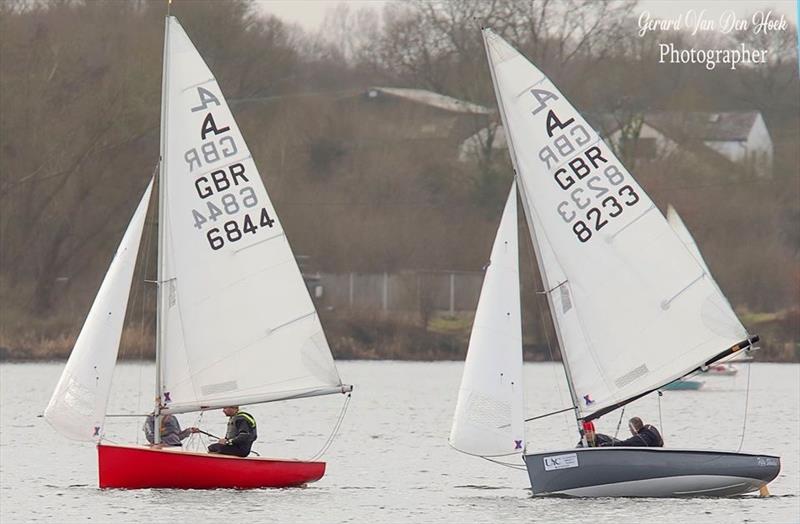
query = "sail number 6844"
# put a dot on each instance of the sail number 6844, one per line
(232, 232)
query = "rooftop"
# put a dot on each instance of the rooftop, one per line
(699, 125)
(422, 96)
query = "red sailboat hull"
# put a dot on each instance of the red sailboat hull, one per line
(134, 467)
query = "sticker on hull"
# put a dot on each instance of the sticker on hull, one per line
(570, 460)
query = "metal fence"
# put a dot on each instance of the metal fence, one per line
(450, 291)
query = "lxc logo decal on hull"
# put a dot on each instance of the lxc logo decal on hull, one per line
(569, 460)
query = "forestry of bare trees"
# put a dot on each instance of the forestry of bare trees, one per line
(356, 186)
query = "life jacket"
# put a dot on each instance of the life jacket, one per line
(655, 439)
(248, 417)
(251, 421)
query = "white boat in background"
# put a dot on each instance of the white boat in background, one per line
(235, 322)
(632, 306)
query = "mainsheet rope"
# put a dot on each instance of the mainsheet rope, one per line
(746, 405)
(334, 432)
(506, 464)
(325, 447)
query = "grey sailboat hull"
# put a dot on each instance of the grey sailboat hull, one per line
(648, 472)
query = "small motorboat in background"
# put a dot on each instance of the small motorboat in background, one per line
(684, 385)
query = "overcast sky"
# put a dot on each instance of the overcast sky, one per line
(310, 13)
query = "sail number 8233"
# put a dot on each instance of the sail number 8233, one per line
(598, 207)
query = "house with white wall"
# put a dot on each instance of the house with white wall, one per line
(740, 136)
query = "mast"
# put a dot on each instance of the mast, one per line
(162, 199)
(535, 242)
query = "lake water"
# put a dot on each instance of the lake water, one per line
(391, 461)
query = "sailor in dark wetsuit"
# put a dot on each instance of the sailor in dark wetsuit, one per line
(594, 439)
(642, 435)
(240, 435)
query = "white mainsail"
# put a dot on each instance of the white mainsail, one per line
(237, 323)
(612, 246)
(77, 408)
(488, 419)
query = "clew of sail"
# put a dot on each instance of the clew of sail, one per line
(237, 323)
(77, 407)
(488, 419)
(610, 244)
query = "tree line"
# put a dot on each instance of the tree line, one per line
(80, 102)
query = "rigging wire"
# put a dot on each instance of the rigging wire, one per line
(537, 417)
(328, 443)
(138, 293)
(531, 256)
(660, 422)
(146, 263)
(555, 372)
(200, 442)
(619, 423)
(746, 405)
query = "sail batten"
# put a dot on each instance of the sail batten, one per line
(597, 230)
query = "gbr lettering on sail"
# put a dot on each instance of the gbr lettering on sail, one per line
(597, 190)
(228, 210)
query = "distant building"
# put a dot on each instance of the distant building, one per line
(429, 98)
(740, 137)
(418, 114)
